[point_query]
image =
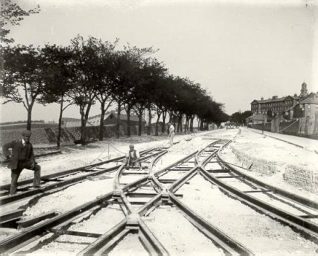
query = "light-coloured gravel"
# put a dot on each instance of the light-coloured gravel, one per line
(102, 221)
(129, 246)
(259, 233)
(177, 235)
(72, 197)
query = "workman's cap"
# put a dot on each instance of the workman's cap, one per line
(131, 145)
(26, 133)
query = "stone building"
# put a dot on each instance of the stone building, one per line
(283, 112)
(276, 106)
(308, 124)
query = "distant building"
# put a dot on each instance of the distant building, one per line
(109, 119)
(302, 108)
(308, 123)
(275, 105)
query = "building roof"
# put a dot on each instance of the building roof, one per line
(275, 99)
(70, 119)
(311, 99)
(122, 117)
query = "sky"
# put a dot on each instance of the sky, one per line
(237, 50)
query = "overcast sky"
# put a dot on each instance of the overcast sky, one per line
(237, 50)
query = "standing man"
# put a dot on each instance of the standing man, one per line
(21, 157)
(171, 134)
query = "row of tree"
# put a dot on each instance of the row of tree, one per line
(90, 71)
(240, 117)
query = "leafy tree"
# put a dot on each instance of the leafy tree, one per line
(58, 75)
(11, 15)
(123, 79)
(239, 117)
(85, 67)
(128, 64)
(150, 71)
(22, 80)
(245, 115)
(162, 97)
(105, 83)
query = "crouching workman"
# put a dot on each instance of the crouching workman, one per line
(22, 157)
(133, 157)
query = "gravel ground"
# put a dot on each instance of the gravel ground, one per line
(178, 235)
(72, 197)
(102, 221)
(129, 246)
(259, 233)
(276, 156)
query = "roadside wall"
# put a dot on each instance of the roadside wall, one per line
(47, 135)
(305, 178)
(301, 177)
(257, 164)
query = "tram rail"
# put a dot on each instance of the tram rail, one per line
(150, 190)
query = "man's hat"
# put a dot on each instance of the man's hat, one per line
(26, 133)
(131, 145)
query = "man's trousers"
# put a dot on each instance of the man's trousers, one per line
(15, 173)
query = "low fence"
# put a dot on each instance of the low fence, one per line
(286, 127)
(48, 135)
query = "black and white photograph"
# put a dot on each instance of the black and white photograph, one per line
(159, 127)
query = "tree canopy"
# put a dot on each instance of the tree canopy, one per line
(90, 70)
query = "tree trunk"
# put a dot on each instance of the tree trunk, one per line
(157, 124)
(191, 124)
(118, 119)
(180, 123)
(59, 130)
(29, 118)
(83, 131)
(83, 135)
(29, 121)
(186, 128)
(101, 121)
(128, 121)
(149, 121)
(164, 115)
(140, 122)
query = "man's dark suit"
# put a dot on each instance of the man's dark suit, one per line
(22, 156)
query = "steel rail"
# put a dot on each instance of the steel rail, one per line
(148, 178)
(122, 169)
(9, 199)
(27, 234)
(36, 230)
(212, 154)
(228, 244)
(166, 169)
(292, 220)
(71, 171)
(62, 173)
(181, 181)
(274, 189)
(151, 238)
(12, 198)
(100, 242)
(105, 243)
